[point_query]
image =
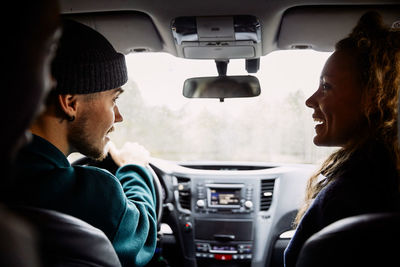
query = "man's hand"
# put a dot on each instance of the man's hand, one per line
(130, 153)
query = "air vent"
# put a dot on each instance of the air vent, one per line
(184, 192)
(267, 191)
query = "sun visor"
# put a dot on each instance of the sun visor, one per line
(319, 28)
(227, 37)
(128, 31)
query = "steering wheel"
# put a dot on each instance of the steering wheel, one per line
(109, 165)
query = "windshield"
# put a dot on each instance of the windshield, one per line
(273, 127)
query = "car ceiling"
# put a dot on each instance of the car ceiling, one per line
(145, 25)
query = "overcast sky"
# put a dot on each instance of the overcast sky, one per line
(160, 76)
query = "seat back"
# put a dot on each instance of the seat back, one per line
(67, 241)
(364, 240)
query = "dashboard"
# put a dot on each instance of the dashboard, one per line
(229, 213)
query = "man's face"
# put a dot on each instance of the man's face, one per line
(95, 118)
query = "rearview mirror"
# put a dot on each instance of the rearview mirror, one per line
(222, 87)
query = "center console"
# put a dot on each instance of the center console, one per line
(230, 214)
(220, 217)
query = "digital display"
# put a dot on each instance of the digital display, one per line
(223, 248)
(225, 196)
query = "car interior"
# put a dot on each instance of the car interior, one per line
(219, 211)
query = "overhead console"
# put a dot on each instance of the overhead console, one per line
(227, 37)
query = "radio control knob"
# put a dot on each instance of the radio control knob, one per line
(248, 204)
(200, 203)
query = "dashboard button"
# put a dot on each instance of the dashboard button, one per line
(223, 257)
(248, 204)
(200, 203)
(188, 227)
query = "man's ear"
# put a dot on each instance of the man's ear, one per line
(68, 104)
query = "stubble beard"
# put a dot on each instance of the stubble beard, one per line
(80, 140)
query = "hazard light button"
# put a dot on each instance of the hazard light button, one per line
(223, 257)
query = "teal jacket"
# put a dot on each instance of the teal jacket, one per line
(122, 206)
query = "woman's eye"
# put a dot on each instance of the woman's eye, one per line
(325, 86)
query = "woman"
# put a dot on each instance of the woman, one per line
(355, 108)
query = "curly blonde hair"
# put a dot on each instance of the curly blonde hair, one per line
(376, 48)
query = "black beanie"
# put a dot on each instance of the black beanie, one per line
(86, 62)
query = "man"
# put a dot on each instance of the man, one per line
(79, 115)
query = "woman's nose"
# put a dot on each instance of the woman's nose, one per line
(310, 102)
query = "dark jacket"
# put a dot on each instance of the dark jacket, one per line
(122, 206)
(367, 183)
